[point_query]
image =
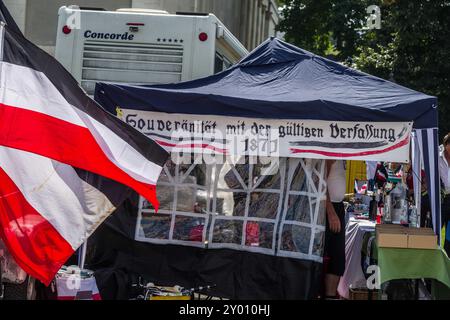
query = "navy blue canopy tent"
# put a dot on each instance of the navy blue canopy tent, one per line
(280, 81)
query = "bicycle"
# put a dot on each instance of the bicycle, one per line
(149, 291)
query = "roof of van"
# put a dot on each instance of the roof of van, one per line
(139, 10)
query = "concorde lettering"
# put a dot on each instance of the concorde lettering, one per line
(89, 34)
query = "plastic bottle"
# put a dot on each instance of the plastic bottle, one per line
(399, 207)
(387, 218)
(413, 217)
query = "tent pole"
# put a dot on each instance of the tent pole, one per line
(428, 140)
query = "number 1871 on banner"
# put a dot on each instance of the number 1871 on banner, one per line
(254, 145)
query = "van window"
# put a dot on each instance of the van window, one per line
(221, 63)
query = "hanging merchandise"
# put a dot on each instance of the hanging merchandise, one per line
(399, 206)
(73, 283)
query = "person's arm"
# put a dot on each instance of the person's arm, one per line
(333, 219)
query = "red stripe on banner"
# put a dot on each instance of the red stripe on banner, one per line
(34, 243)
(356, 154)
(192, 145)
(64, 142)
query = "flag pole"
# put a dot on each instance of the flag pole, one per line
(82, 255)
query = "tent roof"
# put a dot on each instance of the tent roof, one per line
(280, 81)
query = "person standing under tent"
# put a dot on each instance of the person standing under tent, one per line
(444, 173)
(335, 226)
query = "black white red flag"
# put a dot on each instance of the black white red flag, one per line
(49, 130)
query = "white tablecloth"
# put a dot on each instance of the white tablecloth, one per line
(354, 233)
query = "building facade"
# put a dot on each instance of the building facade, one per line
(251, 21)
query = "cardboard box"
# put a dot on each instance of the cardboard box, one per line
(421, 238)
(390, 227)
(397, 236)
(392, 240)
(391, 236)
(362, 294)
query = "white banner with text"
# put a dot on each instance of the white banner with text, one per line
(232, 136)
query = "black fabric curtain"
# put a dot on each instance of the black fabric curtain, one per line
(119, 261)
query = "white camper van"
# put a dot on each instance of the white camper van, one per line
(139, 46)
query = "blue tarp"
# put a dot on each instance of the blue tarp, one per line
(280, 81)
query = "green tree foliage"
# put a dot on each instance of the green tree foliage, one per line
(412, 47)
(325, 27)
(307, 24)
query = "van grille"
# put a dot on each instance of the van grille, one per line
(137, 63)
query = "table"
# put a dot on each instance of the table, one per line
(394, 263)
(354, 234)
(397, 263)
